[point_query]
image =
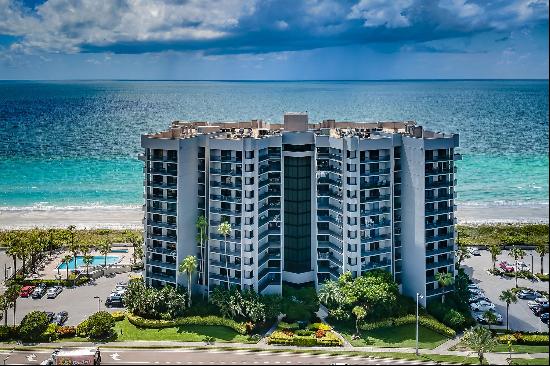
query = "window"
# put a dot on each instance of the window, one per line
(249, 194)
(352, 234)
(249, 221)
(352, 154)
(352, 167)
(249, 167)
(249, 207)
(352, 220)
(249, 154)
(249, 180)
(352, 181)
(352, 207)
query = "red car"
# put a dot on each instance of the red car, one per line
(26, 291)
(506, 267)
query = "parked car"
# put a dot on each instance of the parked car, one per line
(50, 315)
(482, 306)
(544, 318)
(474, 251)
(480, 317)
(520, 267)
(39, 291)
(528, 294)
(478, 298)
(506, 267)
(473, 286)
(120, 290)
(53, 292)
(122, 284)
(26, 291)
(114, 300)
(543, 309)
(476, 292)
(61, 317)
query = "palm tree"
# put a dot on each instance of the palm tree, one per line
(188, 266)
(490, 318)
(52, 240)
(67, 259)
(136, 241)
(13, 244)
(202, 226)
(542, 250)
(480, 340)
(105, 248)
(360, 313)
(495, 251)
(509, 297)
(225, 229)
(330, 293)
(87, 259)
(461, 254)
(74, 246)
(444, 279)
(4, 306)
(517, 253)
(11, 295)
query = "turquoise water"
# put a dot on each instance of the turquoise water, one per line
(72, 144)
(97, 260)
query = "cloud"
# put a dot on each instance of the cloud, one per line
(217, 27)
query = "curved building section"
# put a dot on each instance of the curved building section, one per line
(301, 203)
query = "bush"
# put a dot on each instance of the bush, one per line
(118, 315)
(82, 329)
(304, 332)
(305, 341)
(191, 320)
(542, 277)
(339, 314)
(7, 332)
(33, 325)
(288, 326)
(425, 321)
(321, 326)
(281, 338)
(66, 331)
(330, 340)
(450, 315)
(51, 332)
(100, 325)
(454, 319)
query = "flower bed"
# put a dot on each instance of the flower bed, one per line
(191, 320)
(527, 339)
(317, 334)
(425, 321)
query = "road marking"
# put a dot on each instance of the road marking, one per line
(31, 358)
(115, 356)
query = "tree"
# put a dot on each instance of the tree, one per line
(509, 297)
(444, 279)
(11, 295)
(5, 306)
(517, 253)
(100, 325)
(52, 240)
(360, 313)
(73, 244)
(462, 254)
(33, 325)
(67, 260)
(105, 248)
(202, 226)
(542, 250)
(490, 317)
(138, 254)
(330, 294)
(225, 229)
(87, 259)
(13, 244)
(495, 250)
(137, 242)
(189, 267)
(480, 340)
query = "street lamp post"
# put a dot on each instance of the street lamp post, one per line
(532, 266)
(98, 303)
(418, 296)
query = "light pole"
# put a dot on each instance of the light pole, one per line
(532, 266)
(418, 296)
(98, 303)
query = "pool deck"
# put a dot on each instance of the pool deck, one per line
(49, 269)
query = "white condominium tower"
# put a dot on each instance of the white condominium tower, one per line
(304, 203)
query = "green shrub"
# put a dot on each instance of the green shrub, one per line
(191, 320)
(454, 319)
(305, 341)
(100, 325)
(330, 340)
(542, 277)
(118, 315)
(5, 333)
(425, 321)
(304, 332)
(51, 332)
(33, 325)
(339, 314)
(288, 326)
(82, 329)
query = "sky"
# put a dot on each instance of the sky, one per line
(273, 39)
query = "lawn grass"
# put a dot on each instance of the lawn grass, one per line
(401, 336)
(191, 333)
(523, 348)
(529, 361)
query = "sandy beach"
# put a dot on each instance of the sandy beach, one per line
(131, 217)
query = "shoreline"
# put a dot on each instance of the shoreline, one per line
(120, 217)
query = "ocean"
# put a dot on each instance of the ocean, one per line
(74, 144)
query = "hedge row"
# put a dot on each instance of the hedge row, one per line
(285, 339)
(190, 320)
(425, 321)
(66, 283)
(528, 339)
(542, 277)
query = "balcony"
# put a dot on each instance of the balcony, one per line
(440, 211)
(161, 264)
(223, 211)
(161, 211)
(430, 239)
(222, 278)
(329, 245)
(267, 232)
(270, 280)
(221, 250)
(216, 184)
(171, 159)
(217, 197)
(171, 239)
(378, 211)
(383, 223)
(375, 172)
(430, 172)
(268, 257)
(267, 270)
(368, 253)
(440, 290)
(161, 277)
(334, 234)
(436, 184)
(447, 249)
(271, 244)
(436, 159)
(329, 257)
(216, 236)
(330, 219)
(236, 266)
(327, 206)
(440, 223)
(163, 185)
(443, 263)
(375, 238)
(366, 185)
(170, 172)
(271, 206)
(375, 265)
(334, 182)
(162, 198)
(383, 197)
(268, 218)
(441, 197)
(161, 250)
(231, 172)
(269, 193)
(327, 269)
(329, 169)
(328, 193)
(161, 224)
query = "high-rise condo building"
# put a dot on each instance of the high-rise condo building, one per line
(303, 203)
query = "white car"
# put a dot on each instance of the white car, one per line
(521, 266)
(53, 292)
(474, 251)
(480, 317)
(482, 306)
(473, 286)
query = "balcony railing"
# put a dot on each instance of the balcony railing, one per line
(377, 211)
(373, 265)
(217, 197)
(222, 250)
(221, 264)
(161, 277)
(222, 278)
(327, 206)
(383, 197)
(372, 239)
(439, 211)
(447, 249)
(370, 173)
(440, 290)
(161, 264)
(224, 211)
(438, 264)
(440, 223)
(328, 269)
(171, 239)
(368, 253)
(225, 185)
(430, 239)
(377, 225)
(328, 244)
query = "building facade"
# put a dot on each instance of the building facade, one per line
(304, 203)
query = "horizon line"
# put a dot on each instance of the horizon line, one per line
(286, 80)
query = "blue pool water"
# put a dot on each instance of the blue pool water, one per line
(73, 144)
(98, 260)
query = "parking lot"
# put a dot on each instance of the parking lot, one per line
(79, 302)
(521, 317)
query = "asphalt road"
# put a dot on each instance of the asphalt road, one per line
(521, 317)
(204, 357)
(79, 302)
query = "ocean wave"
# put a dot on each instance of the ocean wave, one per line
(83, 207)
(504, 203)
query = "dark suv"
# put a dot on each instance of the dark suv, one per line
(114, 301)
(39, 291)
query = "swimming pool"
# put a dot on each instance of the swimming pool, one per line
(97, 260)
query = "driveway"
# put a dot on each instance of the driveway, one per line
(79, 302)
(521, 317)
